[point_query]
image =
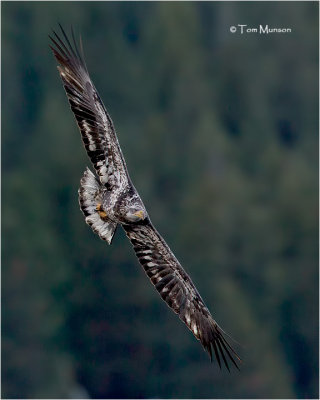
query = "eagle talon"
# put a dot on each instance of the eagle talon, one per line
(100, 210)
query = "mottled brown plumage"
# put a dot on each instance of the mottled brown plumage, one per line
(110, 199)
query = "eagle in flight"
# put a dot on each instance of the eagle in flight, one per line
(108, 198)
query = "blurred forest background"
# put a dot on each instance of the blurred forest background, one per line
(220, 134)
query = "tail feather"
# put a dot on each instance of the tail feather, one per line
(90, 196)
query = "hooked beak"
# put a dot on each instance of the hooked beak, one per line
(139, 214)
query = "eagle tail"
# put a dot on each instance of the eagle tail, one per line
(90, 200)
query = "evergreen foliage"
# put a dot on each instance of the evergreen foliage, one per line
(220, 135)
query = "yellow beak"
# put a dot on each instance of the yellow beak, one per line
(139, 214)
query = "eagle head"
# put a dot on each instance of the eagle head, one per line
(136, 214)
(130, 208)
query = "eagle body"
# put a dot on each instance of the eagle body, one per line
(108, 198)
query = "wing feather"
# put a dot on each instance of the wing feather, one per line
(96, 127)
(101, 143)
(177, 290)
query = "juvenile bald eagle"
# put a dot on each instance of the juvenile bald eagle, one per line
(108, 198)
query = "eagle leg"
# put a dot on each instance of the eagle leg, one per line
(101, 211)
(89, 193)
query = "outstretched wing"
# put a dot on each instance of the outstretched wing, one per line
(177, 290)
(96, 127)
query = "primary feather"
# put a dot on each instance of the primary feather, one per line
(113, 200)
